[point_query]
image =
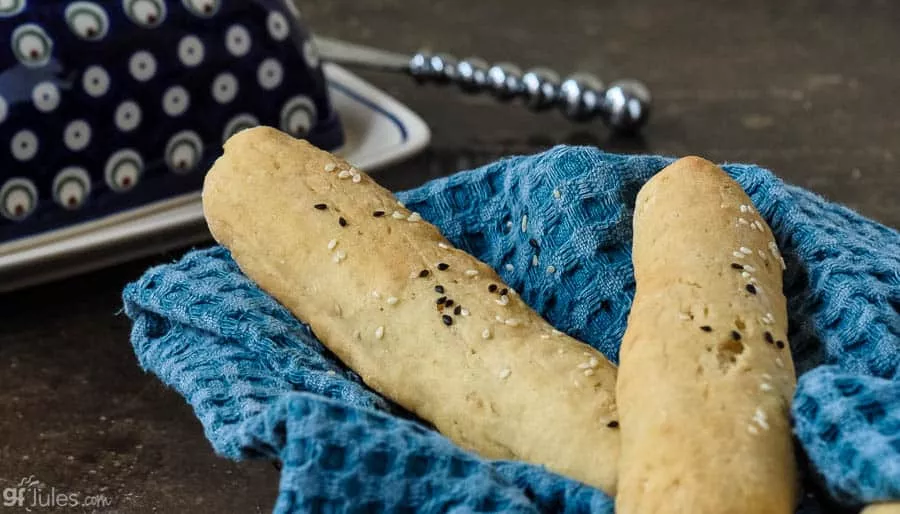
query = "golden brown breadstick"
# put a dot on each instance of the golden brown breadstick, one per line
(705, 373)
(423, 323)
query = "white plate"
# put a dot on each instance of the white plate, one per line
(378, 131)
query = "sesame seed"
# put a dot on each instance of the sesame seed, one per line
(751, 288)
(683, 317)
(376, 294)
(443, 266)
(594, 362)
(378, 214)
(746, 251)
(584, 365)
(723, 205)
(449, 303)
(442, 300)
(752, 429)
(464, 311)
(556, 193)
(498, 319)
(392, 300)
(339, 256)
(768, 337)
(414, 217)
(505, 373)
(397, 215)
(439, 289)
(779, 344)
(753, 280)
(746, 274)
(783, 265)
(503, 300)
(379, 332)
(504, 291)
(492, 288)
(509, 224)
(588, 372)
(332, 244)
(457, 310)
(551, 269)
(401, 204)
(760, 418)
(737, 255)
(509, 267)
(613, 424)
(534, 244)
(444, 246)
(486, 333)
(424, 273)
(742, 221)
(471, 272)
(555, 332)
(762, 254)
(330, 167)
(357, 179)
(344, 174)
(547, 336)
(750, 268)
(447, 320)
(342, 222)
(765, 387)
(524, 223)
(743, 208)
(735, 335)
(534, 260)
(766, 376)
(735, 265)
(513, 322)
(706, 328)
(779, 362)
(320, 206)
(413, 274)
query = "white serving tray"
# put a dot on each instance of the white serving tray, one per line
(378, 131)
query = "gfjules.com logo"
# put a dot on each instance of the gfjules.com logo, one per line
(31, 495)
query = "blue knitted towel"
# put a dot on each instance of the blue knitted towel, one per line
(263, 386)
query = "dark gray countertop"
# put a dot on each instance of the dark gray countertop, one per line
(804, 88)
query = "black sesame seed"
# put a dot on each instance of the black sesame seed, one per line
(443, 266)
(423, 273)
(613, 424)
(735, 335)
(706, 328)
(320, 206)
(492, 288)
(768, 337)
(441, 300)
(447, 320)
(342, 222)
(439, 289)
(504, 291)
(457, 310)
(378, 214)
(534, 244)
(735, 265)
(751, 289)
(449, 303)
(779, 344)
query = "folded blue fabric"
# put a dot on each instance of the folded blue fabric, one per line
(263, 386)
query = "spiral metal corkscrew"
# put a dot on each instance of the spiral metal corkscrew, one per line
(624, 105)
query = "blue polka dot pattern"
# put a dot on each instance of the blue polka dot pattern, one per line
(139, 96)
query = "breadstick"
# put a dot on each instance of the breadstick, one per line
(423, 323)
(706, 375)
(882, 508)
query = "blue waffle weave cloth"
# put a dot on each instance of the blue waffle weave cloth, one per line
(264, 387)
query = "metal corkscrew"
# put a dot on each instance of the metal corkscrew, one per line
(624, 105)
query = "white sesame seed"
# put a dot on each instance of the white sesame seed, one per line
(770, 317)
(584, 365)
(505, 373)
(765, 387)
(779, 362)
(556, 332)
(586, 354)
(330, 167)
(471, 272)
(783, 265)
(762, 255)
(750, 209)
(588, 372)
(737, 255)
(524, 223)
(556, 193)
(499, 319)
(486, 333)
(749, 268)
(766, 376)
(503, 300)
(742, 221)
(753, 280)
(357, 179)
(743, 208)
(534, 260)
(339, 256)
(551, 269)
(413, 274)
(683, 317)
(392, 300)
(547, 336)
(376, 294)
(723, 205)
(760, 418)
(344, 174)
(444, 246)
(401, 204)
(745, 274)
(746, 251)
(397, 215)
(379, 332)
(752, 429)
(464, 312)
(332, 244)
(513, 322)
(414, 217)
(594, 362)
(509, 267)
(509, 224)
